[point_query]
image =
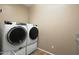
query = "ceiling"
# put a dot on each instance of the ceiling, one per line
(28, 5)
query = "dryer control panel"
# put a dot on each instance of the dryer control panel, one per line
(7, 22)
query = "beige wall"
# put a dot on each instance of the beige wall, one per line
(57, 26)
(18, 13)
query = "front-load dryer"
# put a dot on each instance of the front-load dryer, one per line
(32, 38)
(13, 36)
(32, 34)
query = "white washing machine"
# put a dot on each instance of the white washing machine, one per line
(32, 38)
(13, 36)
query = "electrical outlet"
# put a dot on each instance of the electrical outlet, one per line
(53, 46)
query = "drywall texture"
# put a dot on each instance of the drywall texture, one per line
(57, 26)
(18, 13)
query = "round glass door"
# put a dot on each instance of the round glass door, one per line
(16, 35)
(33, 33)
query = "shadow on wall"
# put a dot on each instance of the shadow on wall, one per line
(14, 12)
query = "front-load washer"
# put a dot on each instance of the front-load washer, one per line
(32, 34)
(13, 36)
(32, 38)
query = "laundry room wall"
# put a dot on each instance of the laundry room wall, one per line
(58, 25)
(14, 12)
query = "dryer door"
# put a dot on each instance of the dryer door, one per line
(33, 33)
(16, 35)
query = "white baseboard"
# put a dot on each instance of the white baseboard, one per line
(45, 51)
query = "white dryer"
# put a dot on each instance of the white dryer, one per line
(32, 38)
(13, 36)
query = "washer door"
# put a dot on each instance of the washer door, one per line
(16, 35)
(33, 34)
